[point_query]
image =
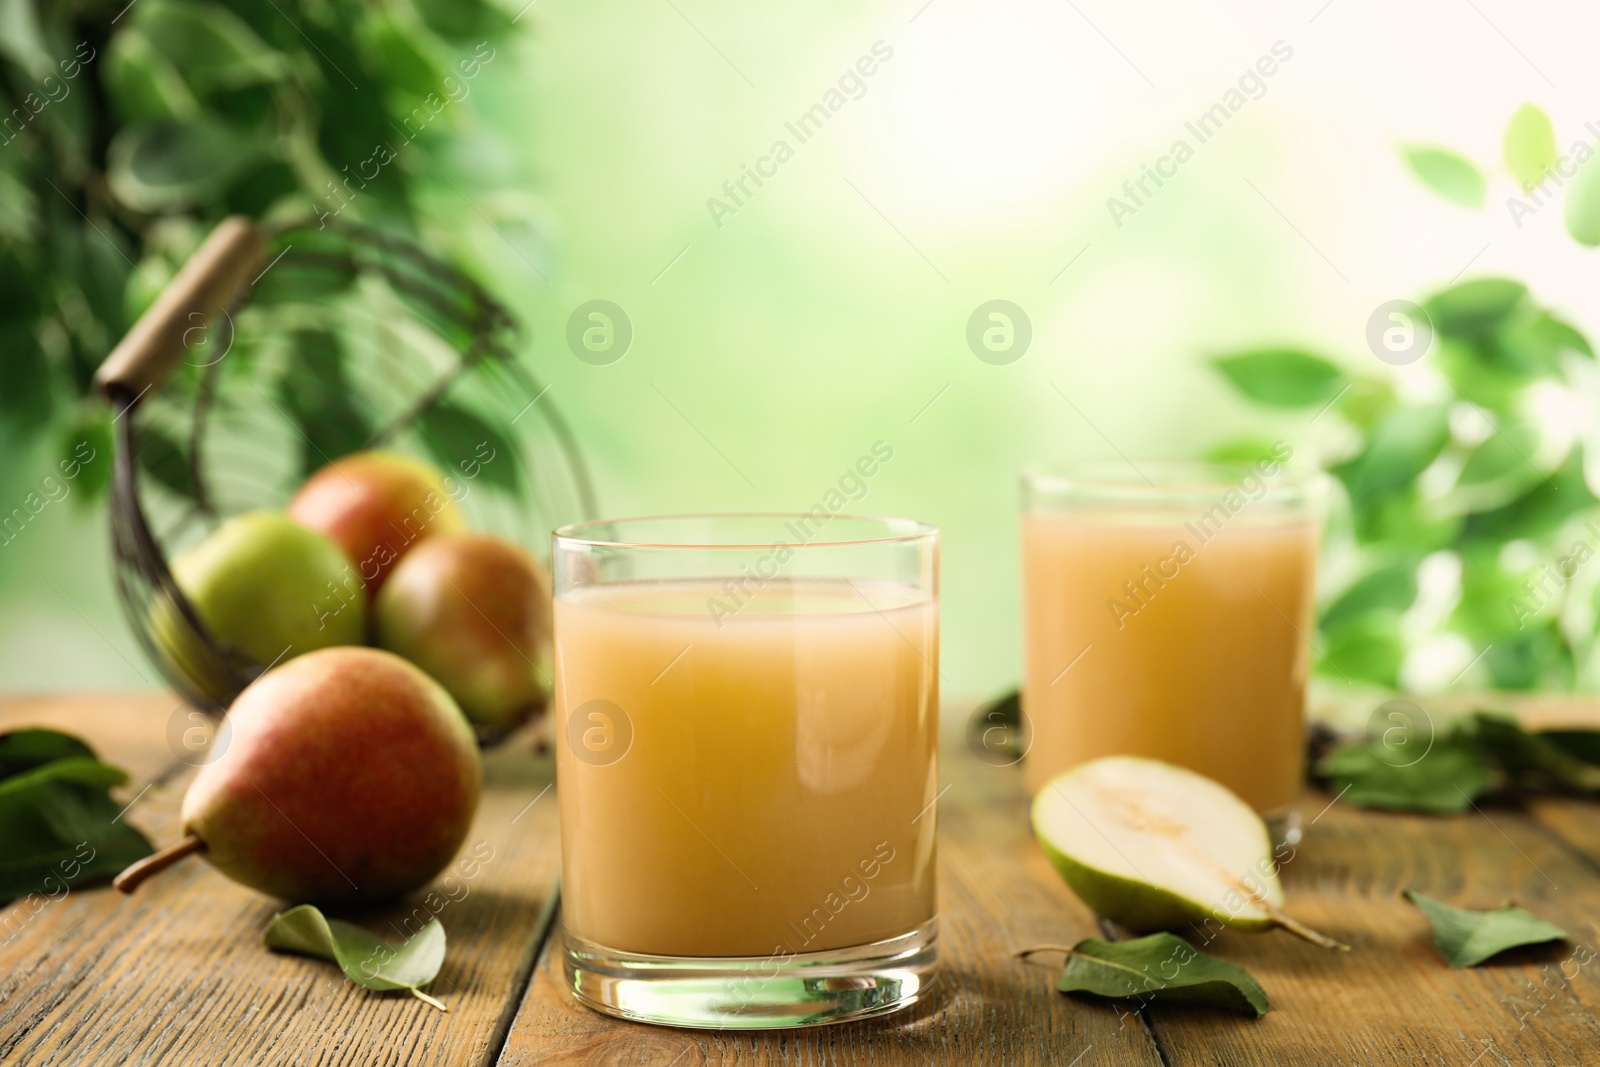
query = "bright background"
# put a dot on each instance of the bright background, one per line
(830, 311)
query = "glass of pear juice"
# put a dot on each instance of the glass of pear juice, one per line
(747, 766)
(1166, 612)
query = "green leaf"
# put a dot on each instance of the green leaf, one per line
(58, 824)
(1392, 587)
(1503, 454)
(995, 732)
(1367, 649)
(1542, 509)
(1473, 308)
(1452, 176)
(211, 46)
(1401, 446)
(1466, 937)
(1582, 212)
(313, 281)
(1160, 968)
(82, 770)
(26, 394)
(1494, 604)
(23, 750)
(455, 435)
(1370, 774)
(463, 21)
(1536, 659)
(161, 457)
(1578, 744)
(144, 85)
(395, 55)
(365, 959)
(1529, 146)
(1530, 760)
(1282, 377)
(1560, 336)
(316, 392)
(86, 448)
(1242, 451)
(22, 39)
(168, 166)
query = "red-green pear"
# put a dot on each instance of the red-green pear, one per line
(268, 588)
(474, 612)
(349, 776)
(376, 506)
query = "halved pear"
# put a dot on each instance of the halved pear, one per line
(1156, 847)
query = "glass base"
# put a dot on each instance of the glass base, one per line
(756, 992)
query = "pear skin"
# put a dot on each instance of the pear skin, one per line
(376, 506)
(474, 612)
(350, 777)
(267, 587)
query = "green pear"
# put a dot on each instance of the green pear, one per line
(270, 589)
(348, 776)
(1156, 847)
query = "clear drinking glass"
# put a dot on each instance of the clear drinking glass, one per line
(747, 767)
(1166, 611)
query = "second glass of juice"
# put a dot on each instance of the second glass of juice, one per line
(747, 767)
(1166, 611)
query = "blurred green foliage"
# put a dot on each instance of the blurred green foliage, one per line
(1469, 473)
(128, 129)
(1470, 464)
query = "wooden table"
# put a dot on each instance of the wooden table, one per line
(177, 974)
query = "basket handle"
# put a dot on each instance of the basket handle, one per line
(208, 282)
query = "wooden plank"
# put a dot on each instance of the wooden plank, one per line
(176, 974)
(1392, 1000)
(128, 729)
(997, 894)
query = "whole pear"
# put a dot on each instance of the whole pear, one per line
(474, 612)
(349, 776)
(376, 506)
(266, 587)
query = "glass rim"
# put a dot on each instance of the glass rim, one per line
(1165, 478)
(896, 531)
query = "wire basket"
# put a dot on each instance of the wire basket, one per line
(278, 349)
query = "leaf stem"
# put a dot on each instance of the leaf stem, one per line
(155, 863)
(420, 995)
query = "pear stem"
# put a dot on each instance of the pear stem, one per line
(1301, 930)
(134, 876)
(420, 995)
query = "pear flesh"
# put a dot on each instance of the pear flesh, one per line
(1152, 847)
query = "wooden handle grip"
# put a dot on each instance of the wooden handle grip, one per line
(208, 282)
